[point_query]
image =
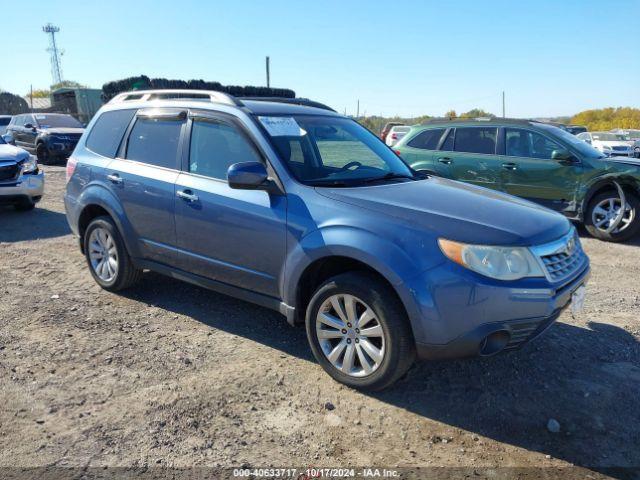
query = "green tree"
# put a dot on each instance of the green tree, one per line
(451, 114)
(476, 113)
(67, 84)
(608, 118)
(39, 93)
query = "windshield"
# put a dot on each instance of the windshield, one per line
(57, 121)
(580, 145)
(332, 151)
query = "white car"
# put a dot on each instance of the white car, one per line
(396, 133)
(631, 136)
(608, 143)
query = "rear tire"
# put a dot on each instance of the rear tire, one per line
(107, 256)
(388, 332)
(595, 218)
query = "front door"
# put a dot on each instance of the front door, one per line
(232, 236)
(531, 173)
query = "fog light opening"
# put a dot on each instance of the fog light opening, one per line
(494, 343)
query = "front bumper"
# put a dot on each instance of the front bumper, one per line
(453, 311)
(63, 148)
(29, 186)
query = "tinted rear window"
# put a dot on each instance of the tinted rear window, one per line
(107, 132)
(155, 141)
(427, 140)
(476, 140)
(5, 121)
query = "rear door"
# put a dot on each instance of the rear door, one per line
(469, 154)
(419, 151)
(237, 237)
(531, 173)
(143, 177)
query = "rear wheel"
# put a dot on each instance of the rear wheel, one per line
(359, 331)
(107, 257)
(602, 212)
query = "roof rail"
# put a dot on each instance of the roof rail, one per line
(292, 101)
(520, 121)
(168, 94)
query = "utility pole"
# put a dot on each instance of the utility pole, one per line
(56, 64)
(503, 110)
(268, 74)
(31, 97)
(358, 109)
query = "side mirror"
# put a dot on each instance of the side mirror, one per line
(28, 125)
(561, 155)
(248, 176)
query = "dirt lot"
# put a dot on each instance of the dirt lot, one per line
(170, 374)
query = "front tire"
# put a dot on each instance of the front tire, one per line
(359, 332)
(107, 256)
(42, 152)
(602, 211)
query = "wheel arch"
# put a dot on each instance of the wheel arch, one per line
(628, 183)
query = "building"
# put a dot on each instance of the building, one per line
(82, 103)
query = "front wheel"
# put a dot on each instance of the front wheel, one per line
(603, 210)
(42, 152)
(359, 332)
(107, 257)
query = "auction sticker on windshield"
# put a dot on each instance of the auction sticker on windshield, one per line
(282, 126)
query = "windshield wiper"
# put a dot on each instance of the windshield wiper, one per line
(388, 176)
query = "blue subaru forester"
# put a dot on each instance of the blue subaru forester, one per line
(289, 205)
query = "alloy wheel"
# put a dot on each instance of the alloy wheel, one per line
(606, 211)
(103, 254)
(350, 335)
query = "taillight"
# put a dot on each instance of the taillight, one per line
(71, 167)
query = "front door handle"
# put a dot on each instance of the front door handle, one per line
(510, 166)
(187, 195)
(114, 178)
(445, 160)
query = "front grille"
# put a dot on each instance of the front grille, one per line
(562, 258)
(9, 171)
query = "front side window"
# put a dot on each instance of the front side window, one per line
(19, 122)
(107, 132)
(524, 143)
(427, 140)
(328, 150)
(154, 141)
(582, 147)
(215, 146)
(476, 140)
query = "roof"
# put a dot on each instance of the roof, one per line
(480, 121)
(259, 107)
(38, 103)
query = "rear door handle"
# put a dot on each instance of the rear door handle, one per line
(187, 195)
(115, 178)
(445, 160)
(510, 166)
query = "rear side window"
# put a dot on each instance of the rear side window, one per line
(106, 134)
(215, 146)
(155, 141)
(476, 140)
(427, 140)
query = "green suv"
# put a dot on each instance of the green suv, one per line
(536, 161)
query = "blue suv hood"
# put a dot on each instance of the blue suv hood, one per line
(11, 153)
(459, 211)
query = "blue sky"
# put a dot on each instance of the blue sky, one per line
(552, 57)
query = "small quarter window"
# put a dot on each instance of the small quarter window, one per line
(427, 140)
(106, 134)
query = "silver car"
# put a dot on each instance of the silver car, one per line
(21, 181)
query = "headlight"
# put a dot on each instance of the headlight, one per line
(30, 165)
(502, 263)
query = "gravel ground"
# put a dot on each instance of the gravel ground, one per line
(169, 374)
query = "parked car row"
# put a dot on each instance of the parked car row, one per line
(21, 181)
(51, 136)
(610, 144)
(382, 263)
